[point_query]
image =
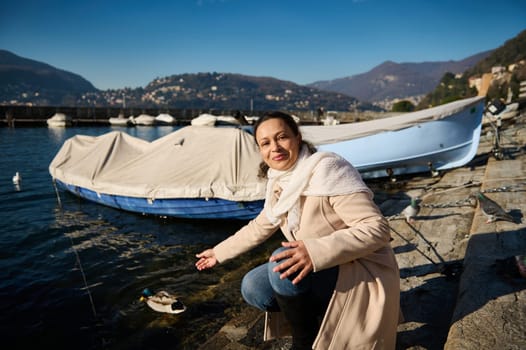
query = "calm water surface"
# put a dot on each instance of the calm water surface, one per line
(71, 272)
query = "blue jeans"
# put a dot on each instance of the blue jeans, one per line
(261, 283)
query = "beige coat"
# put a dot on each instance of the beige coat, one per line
(348, 231)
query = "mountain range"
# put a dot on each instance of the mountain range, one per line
(391, 80)
(19, 75)
(25, 81)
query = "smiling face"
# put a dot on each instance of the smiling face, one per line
(278, 145)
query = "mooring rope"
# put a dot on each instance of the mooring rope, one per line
(58, 195)
(77, 257)
(83, 277)
(416, 247)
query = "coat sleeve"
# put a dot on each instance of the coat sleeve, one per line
(363, 231)
(249, 236)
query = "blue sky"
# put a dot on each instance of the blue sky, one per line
(118, 43)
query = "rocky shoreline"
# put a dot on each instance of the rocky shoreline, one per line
(455, 294)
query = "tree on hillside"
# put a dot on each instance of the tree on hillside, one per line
(449, 89)
(513, 50)
(403, 106)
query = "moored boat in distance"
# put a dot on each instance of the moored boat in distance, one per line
(435, 139)
(165, 119)
(206, 119)
(330, 119)
(121, 121)
(59, 120)
(144, 119)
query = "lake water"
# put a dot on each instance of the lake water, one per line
(71, 272)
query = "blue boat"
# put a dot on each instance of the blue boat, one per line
(188, 208)
(194, 173)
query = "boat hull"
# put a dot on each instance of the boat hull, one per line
(434, 145)
(186, 208)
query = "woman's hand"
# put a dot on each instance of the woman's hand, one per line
(207, 260)
(297, 261)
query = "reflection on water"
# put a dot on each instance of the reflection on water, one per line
(56, 134)
(138, 252)
(161, 255)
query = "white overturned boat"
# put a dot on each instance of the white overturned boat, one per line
(438, 138)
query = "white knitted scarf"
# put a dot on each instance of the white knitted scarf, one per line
(319, 174)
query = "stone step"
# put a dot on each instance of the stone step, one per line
(490, 311)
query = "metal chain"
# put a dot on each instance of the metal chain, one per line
(458, 203)
(510, 188)
(471, 202)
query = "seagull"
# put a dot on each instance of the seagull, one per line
(411, 211)
(17, 178)
(492, 210)
(162, 301)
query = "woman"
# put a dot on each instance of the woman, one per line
(335, 279)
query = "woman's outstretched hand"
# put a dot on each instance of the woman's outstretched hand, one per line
(297, 261)
(207, 260)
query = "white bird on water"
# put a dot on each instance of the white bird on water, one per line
(17, 178)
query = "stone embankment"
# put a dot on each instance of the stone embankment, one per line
(458, 292)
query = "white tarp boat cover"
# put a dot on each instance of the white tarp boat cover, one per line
(192, 162)
(321, 135)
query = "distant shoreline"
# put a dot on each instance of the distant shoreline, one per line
(38, 115)
(16, 115)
